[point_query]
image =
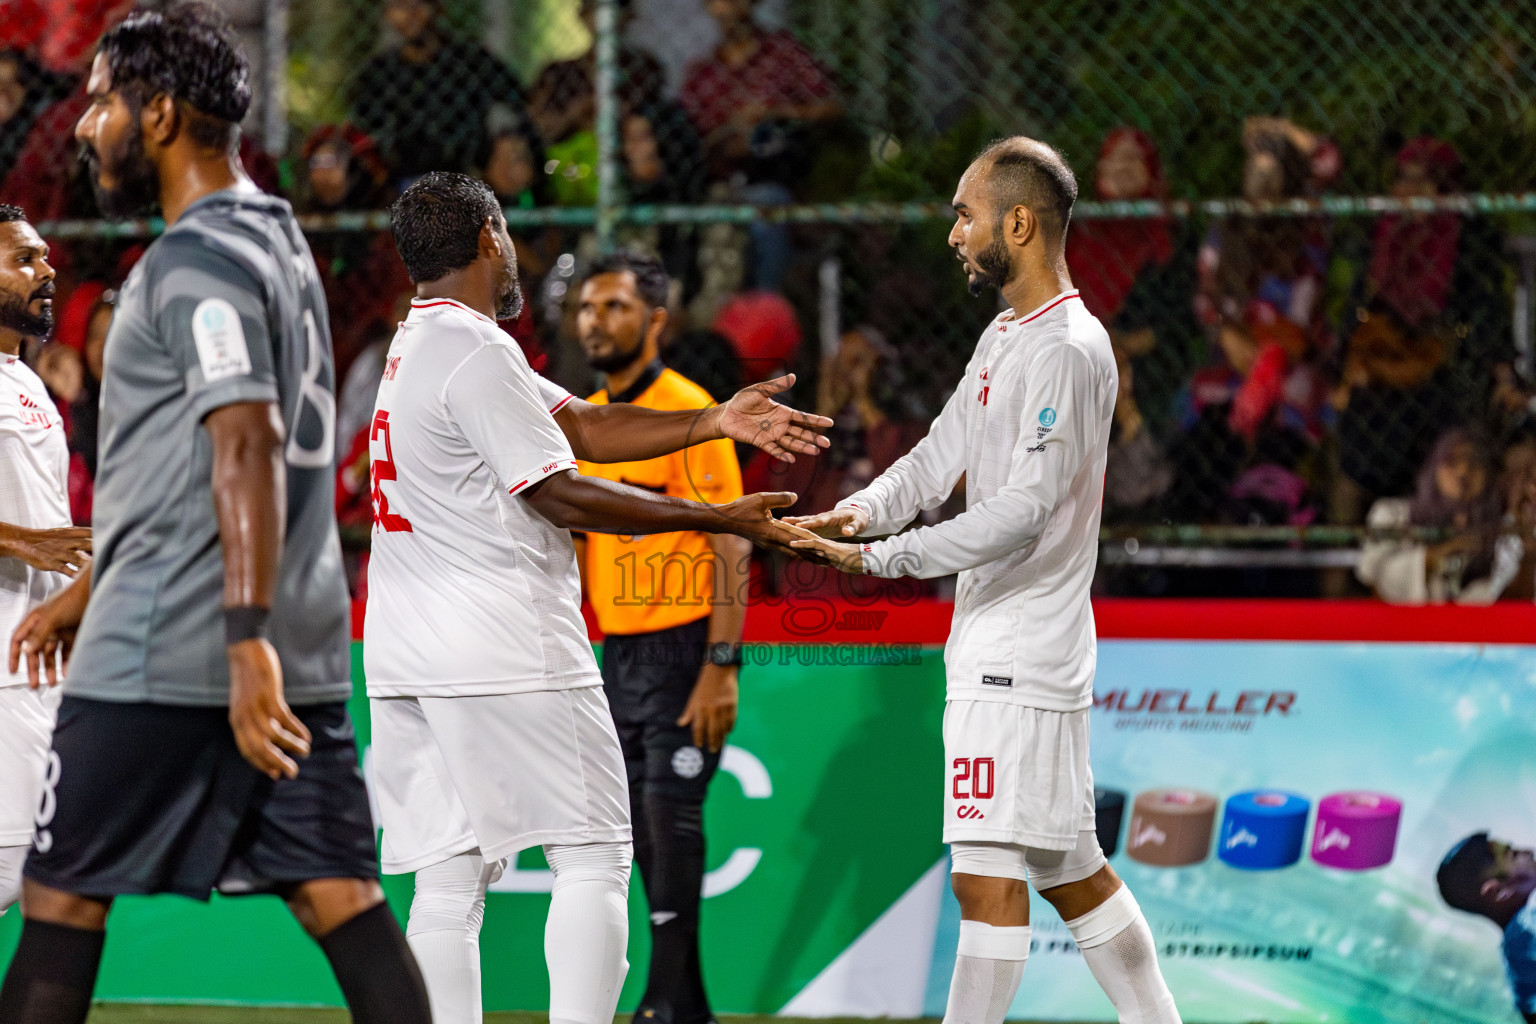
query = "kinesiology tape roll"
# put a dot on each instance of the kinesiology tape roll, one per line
(1356, 831)
(1263, 829)
(1171, 828)
(1108, 816)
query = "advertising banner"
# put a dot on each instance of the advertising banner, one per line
(1280, 807)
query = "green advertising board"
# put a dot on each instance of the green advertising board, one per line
(826, 813)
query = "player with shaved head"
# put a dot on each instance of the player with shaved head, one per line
(1029, 428)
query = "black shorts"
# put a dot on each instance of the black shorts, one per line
(648, 678)
(154, 798)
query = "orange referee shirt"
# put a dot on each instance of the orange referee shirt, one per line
(645, 584)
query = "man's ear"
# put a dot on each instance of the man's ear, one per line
(160, 119)
(1020, 225)
(657, 324)
(490, 243)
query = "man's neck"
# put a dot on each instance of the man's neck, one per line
(741, 45)
(10, 342)
(620, 381)
(422, 49)
(1034, 288)
(196, 178)
(464, 289)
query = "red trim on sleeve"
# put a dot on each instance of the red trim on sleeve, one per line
(543, 472)
(561, 404)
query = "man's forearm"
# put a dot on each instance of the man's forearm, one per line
(728, 614)
(578, 502)
(249, 493)
(629, 433)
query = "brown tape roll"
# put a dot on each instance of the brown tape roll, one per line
(1171, 827)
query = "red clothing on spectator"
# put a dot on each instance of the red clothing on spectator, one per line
(1106, 257)
(781, 72)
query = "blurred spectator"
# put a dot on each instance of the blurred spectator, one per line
(425, 101)
(514, 164)
(360, 270)
(1455, 492)
(1514, 563)
(755, 83)
(1135, 273)
(753, 101)
(564, 100)
(25, 91)
(1108, 257)
(859, 389)
(1138, 472)
(663, 163)
(1391, 394)
(1253, 421)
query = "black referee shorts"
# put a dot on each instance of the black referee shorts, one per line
(648, 678)
(149, 798)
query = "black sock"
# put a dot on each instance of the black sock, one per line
(52, 975)
(376, 971)
(675, 986)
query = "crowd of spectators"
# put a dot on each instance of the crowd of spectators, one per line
(1274, 369)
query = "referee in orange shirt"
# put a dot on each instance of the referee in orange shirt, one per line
(671, 606)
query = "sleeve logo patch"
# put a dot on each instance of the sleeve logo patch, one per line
(1047, 418)
(221, 347)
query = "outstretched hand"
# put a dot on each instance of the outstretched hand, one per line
(847, 558)
(753, 417)
(844, 521)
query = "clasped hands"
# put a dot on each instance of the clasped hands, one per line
(813, 538)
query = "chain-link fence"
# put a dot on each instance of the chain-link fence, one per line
(1309, 227)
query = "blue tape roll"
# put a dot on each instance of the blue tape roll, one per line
(1263, 829)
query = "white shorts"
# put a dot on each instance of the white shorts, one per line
(502, 773)
(26, 733)
(1016, 775)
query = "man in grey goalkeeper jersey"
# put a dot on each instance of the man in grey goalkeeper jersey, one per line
(1029, 428)
(203, 741)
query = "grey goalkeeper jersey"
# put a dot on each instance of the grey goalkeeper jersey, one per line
(226, 307)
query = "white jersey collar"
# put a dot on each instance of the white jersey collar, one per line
(1045, 307)
(429, 304)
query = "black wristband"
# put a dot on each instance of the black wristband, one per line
(247, 622)
(725, 655)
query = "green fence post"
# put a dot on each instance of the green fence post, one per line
(607, 47)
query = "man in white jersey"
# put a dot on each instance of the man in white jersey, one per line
(1029, 428)
(491, 732)
(40, 549)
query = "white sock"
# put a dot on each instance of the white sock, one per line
(989, 964)
(444, 933)
(587, 932)
(1117, 944)
(11, 860)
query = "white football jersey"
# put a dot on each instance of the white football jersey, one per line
(470, 591)
(1029, 428)
(34, 491)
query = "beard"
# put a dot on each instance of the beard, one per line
(509, 291)
(994, 266)
(138, 181)
(618, 359)
(15, 315)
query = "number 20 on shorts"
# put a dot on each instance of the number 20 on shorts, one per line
(973, 778)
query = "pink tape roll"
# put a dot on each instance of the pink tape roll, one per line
(1356, 831)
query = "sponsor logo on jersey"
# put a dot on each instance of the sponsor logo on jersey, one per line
(391, 367)
(221, 348)
(969, 813)
(32, 414)
(1036, 448)
(981, 396)
(997, 680)
(1047, 418)
(687, 762)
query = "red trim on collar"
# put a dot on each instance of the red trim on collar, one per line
(1037, 314)
(429, 303)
